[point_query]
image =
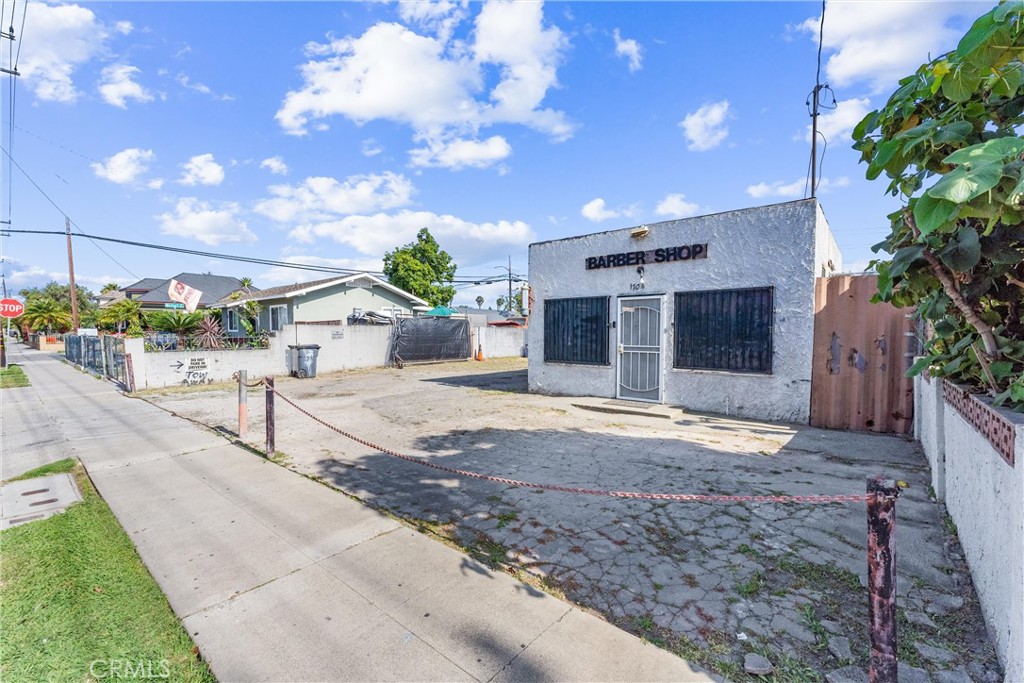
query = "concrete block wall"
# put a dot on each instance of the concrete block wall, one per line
(500, 342)
(985, 498)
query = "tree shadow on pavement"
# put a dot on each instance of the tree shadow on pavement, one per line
(511, 381)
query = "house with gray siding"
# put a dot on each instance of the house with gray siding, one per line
(327, 301)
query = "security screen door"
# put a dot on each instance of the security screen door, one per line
(640, 349)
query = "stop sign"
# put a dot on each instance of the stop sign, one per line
(11, 308)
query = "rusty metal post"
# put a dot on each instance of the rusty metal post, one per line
(882, 494)
(243, 405)
(129, 370)
(270, 416)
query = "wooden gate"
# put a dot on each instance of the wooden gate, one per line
(861, 353)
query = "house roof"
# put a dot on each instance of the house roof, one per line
(491, 314)
(144, 285)
(213, 287)
(300, 288)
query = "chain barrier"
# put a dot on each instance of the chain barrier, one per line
(686, 497)
(257, 383)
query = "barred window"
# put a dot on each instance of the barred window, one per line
(725, 330)
(576, 330)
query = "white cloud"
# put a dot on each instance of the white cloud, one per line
(117, 86)
(63, 37)
(439, 17)
(705, 128)
(186, 82)
(202, 170)
(795, 189)
(630, 49)
(433, 84)
(377, 233)
(458, 153)
(371, 148)
(275, 165)
(206, 222)
(596, 210)
(155, 183)
(880, 42)
(125, 167)
(124, 27)
(320, 198)
(837, 125)
(676, 206)
(512, 35)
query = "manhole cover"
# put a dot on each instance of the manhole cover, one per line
(39, 498)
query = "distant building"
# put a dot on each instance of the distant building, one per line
(152, 292)
(328, 301)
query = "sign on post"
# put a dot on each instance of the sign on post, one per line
(11, 308)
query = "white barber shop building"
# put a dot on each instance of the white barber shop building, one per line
(713, 313)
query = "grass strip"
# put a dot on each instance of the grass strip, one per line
(13, 377)
(61, 466)
(78, 604)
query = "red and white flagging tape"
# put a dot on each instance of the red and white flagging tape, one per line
(691, 497)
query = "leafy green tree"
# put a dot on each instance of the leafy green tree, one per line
(62, 294)
(947, 140)
(422, 268)
(479, 302)
(110, 287)
(45, 314)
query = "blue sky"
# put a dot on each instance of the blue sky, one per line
(328, 133)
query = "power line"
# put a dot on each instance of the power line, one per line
(63, 213)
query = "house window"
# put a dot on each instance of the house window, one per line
(576, 330)
(232, 321)
(278, 317)
(727, 329)
(393, 311)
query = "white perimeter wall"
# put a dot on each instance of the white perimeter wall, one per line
(765, 246)
(985, 498)
(342, 347)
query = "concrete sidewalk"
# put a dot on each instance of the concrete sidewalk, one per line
(278, 578)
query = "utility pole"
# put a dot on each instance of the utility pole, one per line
(511, 276)
(71, 276)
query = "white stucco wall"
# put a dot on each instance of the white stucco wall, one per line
(341, 348)
(500, 342)
(828, 260)
(929, 429)
(765, 246)
(985, 498)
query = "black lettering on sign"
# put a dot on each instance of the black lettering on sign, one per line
(684, 252)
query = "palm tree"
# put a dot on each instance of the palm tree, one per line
(479, 302)
(181, 323)
(45, 313)
(110, 287)
(121, 315)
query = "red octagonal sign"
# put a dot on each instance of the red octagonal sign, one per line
(11, 308)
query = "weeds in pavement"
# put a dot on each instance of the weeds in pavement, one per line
(65, 465)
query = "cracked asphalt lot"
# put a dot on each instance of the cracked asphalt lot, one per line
(712, 582)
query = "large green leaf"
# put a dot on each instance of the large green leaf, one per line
(963, 251)
(963, 184)
(1005, 9)
(931, 213)
(988, 152)
(954, 132)
(902, 259)
(983, 29)
(959, 84)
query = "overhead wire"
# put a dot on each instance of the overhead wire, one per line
(64, 213)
